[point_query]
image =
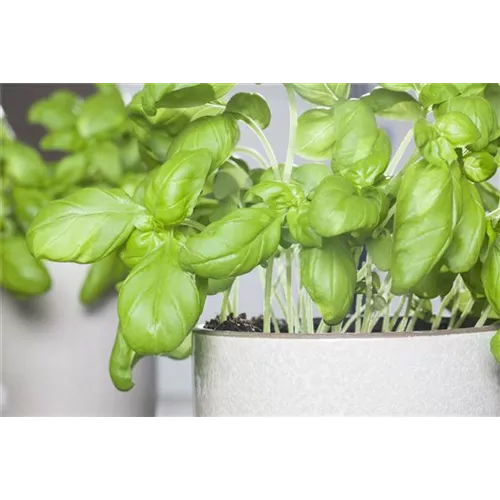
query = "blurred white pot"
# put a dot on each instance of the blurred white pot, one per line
(449, 373)
(55, 355)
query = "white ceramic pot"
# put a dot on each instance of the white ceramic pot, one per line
(55, 355)
(450, 373)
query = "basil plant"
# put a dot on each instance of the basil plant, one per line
(98, 148)
(199, 218)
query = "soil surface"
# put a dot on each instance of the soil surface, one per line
(242, 323)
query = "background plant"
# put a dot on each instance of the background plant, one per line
(200, 218)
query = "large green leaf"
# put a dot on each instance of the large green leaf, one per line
(85, 226)
(423, 225)
(329, 276)
(490, 275)
(394, 105)
(20, 272)
(338, 208)
(249, 106)
(159, 303)
(218, 134)
(316, 134)
(233, 245)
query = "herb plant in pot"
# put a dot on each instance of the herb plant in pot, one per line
(57, 320)
(408, 330)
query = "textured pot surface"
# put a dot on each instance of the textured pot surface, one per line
(449, 373)
(55, 355)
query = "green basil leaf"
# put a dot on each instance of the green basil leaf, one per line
(492, 95)
(219, 286)
(184, 350)
(395, 105)
(174, 190)
(337, 207)
(102, 277)
(250, 107)
(85, 226)
(130, 182)
(101, 113)
(434, 284)
(316, 134)
(141, 244)
(20, 272)
(62, 140)
(233, 245)
(490, 275)
(436, 93)
(300, 227)
(367, 170)
(69, 171)
(434, 148)
(56, 112)
(152, 93)
(329, 276)
(490, 199)
(468, 236)
(470, 89)
(472, 280)
(479, 111)
(185, 95)
(159, 303)
(104, 162)
(423, 224)
(121, 362)
(230, 180)
(322, 94)
(380, 250)
(398, 87)
(27, 203)
(275, 194)
(218, 134)
(479, 167)
(24, 166)
(223, 208)
(130, 157)
(309, 175)
(495, 346)
(457, 129)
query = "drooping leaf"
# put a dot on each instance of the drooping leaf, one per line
(234, 245)
(338, 208)
(85, 226)
(490, 275)
(423, 224)
(329, 276)
(219, 286)
(121, 362)
(20, 272)
(249, 106)
(159, 303)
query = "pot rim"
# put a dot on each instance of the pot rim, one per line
(345, 336)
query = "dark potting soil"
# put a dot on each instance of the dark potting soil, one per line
(241, 323)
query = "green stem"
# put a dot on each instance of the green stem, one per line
(288, 290)
(454, 313)
(253, 154)
(235, 290)
(193, 223)
(406, 317)
(467, 309)
(225, 305)
(292, 134)
(399, 153)
(413, 322)
(397, 312)
(444, 304)
(310, 319)
(369, 293)
(352, 319)
(493, 214)
(359, 305)
(267, 295)
(265, 143)
(323, 327)
(484, 317)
